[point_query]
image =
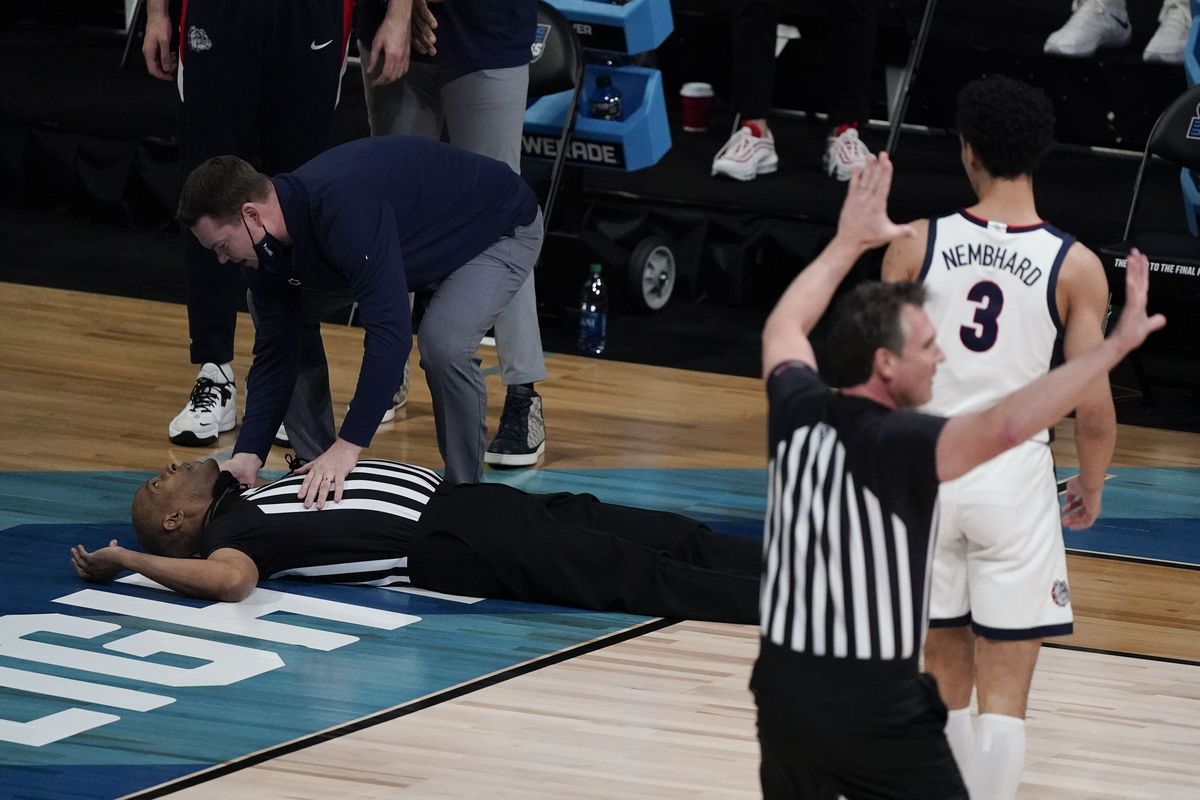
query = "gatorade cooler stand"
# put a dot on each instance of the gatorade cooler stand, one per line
(638, 140)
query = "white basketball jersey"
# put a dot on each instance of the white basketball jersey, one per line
(992, 299)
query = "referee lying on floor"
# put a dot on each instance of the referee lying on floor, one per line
(207, 536)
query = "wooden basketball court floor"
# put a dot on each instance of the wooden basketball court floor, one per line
(642, 709)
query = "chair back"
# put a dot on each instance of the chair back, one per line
(1176, 135)
(557, 63)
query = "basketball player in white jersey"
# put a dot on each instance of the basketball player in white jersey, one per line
(1010, 295)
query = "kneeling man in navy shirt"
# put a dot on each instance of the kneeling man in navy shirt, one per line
(367, 221)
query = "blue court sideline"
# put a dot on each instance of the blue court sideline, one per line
(159, 686)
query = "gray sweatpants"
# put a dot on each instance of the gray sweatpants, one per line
(483, 112)
(464, 306)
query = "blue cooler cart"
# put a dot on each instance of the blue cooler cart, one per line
(559, 127)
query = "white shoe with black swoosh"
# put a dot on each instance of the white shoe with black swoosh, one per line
(1093, 24)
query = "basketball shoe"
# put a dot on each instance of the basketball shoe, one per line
(1093, 24)
(844, 151)
(521, 437)
(1167, 44)
(750, 152)
(399, 399)
(211, 409)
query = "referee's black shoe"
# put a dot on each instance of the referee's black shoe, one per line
(521, 439)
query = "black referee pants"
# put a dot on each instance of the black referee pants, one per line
(490, 540)
(256, 78)
(865, 730)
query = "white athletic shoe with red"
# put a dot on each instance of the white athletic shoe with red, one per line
(750, 152)
(844, 151)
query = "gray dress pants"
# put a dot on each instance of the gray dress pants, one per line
(483, 112)
(465, 304)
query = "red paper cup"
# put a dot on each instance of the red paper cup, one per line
(697, 103)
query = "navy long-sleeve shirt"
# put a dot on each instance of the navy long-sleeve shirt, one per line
(371, 219)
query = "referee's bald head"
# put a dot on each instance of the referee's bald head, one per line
(168, 509)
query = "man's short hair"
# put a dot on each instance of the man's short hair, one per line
(218, 188)
(1008, 123)
(146, 522)
(864, 320)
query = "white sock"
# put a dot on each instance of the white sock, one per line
(998, 758)
(961, 736)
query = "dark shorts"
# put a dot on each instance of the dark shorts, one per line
(864, 730)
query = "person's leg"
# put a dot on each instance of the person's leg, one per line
(1004, 674)
(750, 151)
(464, 306)
(753, 70)
(950, 658)
(781, 778)
(218, 115)
(950, 644)
(485, 114)
(678, 536)
(305, 56)
(1019, 595)
(848, 77)
(410, 106)
(538, 558)
(853, 25)
(914, 764)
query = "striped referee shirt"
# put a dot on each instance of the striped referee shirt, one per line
(849, 528)
(363, 539)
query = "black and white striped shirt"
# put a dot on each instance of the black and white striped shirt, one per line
(848, 534)
(363, 539)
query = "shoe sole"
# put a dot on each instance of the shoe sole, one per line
(766, 169)
(190, 439)
(514, 459)
(1061, 52)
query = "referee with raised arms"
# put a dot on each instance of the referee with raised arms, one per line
(853, 482)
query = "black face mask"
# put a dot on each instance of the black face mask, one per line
(269, 251)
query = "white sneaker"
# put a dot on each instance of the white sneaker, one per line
(1170, 40)
(1093, 24)
(399, 399)
(844, 151)
(281, 437)
(211, 409)
(748, 154)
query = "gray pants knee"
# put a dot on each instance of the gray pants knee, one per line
(483, 112)
(464, 305)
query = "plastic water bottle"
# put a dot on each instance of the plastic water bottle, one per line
(593, 313)
(606, 100)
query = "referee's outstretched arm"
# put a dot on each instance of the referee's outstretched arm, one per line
(227, 574)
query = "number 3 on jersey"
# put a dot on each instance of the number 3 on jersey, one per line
(981, 334)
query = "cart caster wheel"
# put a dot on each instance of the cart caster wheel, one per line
(651, 274)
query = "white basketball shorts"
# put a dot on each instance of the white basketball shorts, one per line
(999, 562)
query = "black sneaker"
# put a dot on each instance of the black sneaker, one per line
(522, 435)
